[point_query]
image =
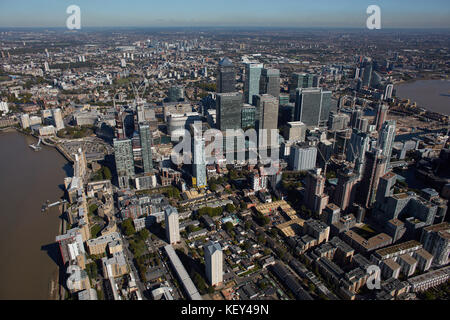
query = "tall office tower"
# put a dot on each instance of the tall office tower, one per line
(312, 107)
(252, 80)
(356, 115)
(57, 118)
(357, 146)
(386, 138)
(386, 186)
(303, 157)
(270, 82)
(199, 165)
(367, 74)
(214, 263)
(229, 107)
(175, 93)
(316, 200)
(25, 120)
(248, 116)
(172, 225)
(123, 154)
(123, 63)
(345, 191)
(374, 168)
(382, 110)
(46, 67)
(226, 76)
(299, 80)
(146, 146)
(436, 240)
(266, 117)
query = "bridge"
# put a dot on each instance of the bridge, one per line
(37, 146)
(398, 164)
(48, 205)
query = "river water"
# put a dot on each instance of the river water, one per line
(433, 95)
(28, 254)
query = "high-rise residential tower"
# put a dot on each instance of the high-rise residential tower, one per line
(172, 225)
(123, 154)
(214, 263)
(386, 138)
(146, 146)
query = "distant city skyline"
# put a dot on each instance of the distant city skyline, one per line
(179, 13)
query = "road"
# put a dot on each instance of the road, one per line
(129, 257)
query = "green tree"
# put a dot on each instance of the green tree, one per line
(128, 227)
(228, 226)
(230, 208)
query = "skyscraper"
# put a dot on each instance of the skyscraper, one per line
(386, 138)
(345, 191)
(357, 146)
(270, 82)
(57, 118)
(123, 154)
(146, 146)
(172, 225)
(199, 164)
(367, 75)
(266, 115)
(374, 168)
(226, 76)
(229, 107)
(303, 157)
(214, 263)
(382, 110)
(316, 200)
(312, 107)
(252, 80)
(248, 116)
(299, 80)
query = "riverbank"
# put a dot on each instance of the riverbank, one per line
(431, 95)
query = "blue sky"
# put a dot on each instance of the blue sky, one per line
(279, 13)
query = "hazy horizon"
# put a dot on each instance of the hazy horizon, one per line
(433, 14)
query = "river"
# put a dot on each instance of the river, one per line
(28, 253)
(433, 95)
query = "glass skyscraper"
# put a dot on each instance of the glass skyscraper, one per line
(270, 82)
(226, 76)
(312, 106)
(229, 107)
(123, 154)
(248, 115)
(199, 165)
(252, 81)
(299, 80)
(146, 147)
